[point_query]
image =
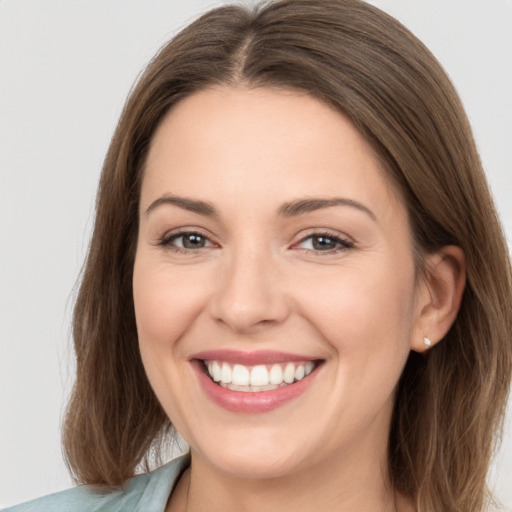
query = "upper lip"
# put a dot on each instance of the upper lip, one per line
(251, 358)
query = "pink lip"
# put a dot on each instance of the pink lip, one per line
(250, 403)
(251, 358)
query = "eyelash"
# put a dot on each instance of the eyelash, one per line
(341, 243)
(167, 241)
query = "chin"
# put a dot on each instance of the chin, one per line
(256, 466)
(257, 457)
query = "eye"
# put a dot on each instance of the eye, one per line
(186, 241)
(324, 242)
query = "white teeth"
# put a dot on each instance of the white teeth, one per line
(299, 372)
(225, 373)
(248, 389)
(240, 375)
(215, 371)
(268, 387)
(259, 376)
(289, 373)
(276, 374)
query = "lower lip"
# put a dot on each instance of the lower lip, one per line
(251, 402)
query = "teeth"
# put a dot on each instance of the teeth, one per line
(248, 389)
(240, 375)
(289, 373)
(257, 378)
(225, 373)
(214, 370)
(276, 374)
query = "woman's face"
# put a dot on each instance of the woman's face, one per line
(274, 282)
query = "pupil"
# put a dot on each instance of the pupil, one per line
(193, 241)
(323, 243)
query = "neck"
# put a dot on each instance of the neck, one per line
(343, 484)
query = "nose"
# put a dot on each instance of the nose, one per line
(249, 295)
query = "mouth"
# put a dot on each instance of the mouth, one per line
(257, 378)
(254, 382)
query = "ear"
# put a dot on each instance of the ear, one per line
(439, 296)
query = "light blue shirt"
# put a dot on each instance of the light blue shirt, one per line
(148, 492)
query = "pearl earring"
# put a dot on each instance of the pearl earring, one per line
(427, 342)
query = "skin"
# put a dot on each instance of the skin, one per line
(262, 282)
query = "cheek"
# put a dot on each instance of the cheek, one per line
(366, 315)
(166, 303)
(351, 305)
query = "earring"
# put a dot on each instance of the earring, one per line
(427, 342)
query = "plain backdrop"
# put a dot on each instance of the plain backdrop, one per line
(66, 67)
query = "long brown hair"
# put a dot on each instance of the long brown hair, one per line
(449, 406)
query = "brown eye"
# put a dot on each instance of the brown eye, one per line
(193, 241)
(324, 242)
(189, 241)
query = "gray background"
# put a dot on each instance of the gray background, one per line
(66, 67)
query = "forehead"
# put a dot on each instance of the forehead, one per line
(240, 143)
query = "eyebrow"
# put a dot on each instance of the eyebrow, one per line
(289, 209)
(192, 205)
(301, 206)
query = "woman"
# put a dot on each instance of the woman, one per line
(296, 262)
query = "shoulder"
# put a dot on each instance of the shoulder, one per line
(148, 492)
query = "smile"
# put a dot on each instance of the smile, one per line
(254, 382)
(239, 377)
